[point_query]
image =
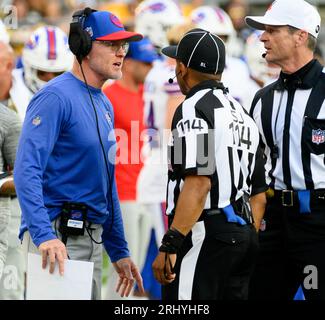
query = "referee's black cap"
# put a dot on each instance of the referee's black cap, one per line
(199, 50)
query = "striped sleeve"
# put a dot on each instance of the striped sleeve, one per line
(258, 177)
(193, 141)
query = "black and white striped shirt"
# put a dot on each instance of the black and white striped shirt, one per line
(290, 114)
(212, 135)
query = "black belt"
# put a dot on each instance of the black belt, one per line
(209, 212)
(289, 198)
(205, 214)
(238, 208)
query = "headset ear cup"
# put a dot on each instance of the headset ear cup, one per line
(86, 43)
(79, 41)
(75, 38)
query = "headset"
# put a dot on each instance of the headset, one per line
(80, 44)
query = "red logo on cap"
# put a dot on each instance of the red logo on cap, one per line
(115, 20)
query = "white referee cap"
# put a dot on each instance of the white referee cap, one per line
(296, 13)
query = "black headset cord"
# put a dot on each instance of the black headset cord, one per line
(103, 150)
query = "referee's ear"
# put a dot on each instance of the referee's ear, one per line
(183, 70)
(301, 38)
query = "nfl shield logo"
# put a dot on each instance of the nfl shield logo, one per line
(36, 121)
(318, 136)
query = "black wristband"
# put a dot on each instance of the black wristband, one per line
(171, 241)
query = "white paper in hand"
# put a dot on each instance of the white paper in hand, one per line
(75, 284)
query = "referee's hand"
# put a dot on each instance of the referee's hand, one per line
(162, 268)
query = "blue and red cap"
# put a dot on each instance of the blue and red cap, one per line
(103, 25)
(143, 51)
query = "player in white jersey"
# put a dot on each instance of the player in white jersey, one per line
(153, 19)
(261, 71)
(236, 75)
(162, 96)
(163, 14)
(153, 177)
(237, 79)
(4, 36)
(45, 56)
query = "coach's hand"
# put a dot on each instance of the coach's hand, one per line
(128, 274)
(162, 267)
(55, 250)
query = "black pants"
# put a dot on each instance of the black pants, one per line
(291, 246)
(215, 262)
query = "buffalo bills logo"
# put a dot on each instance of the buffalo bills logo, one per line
(199, 18)
(76, 215)
(115, 20)
(33, 42)
(318, 136)
(157, 7)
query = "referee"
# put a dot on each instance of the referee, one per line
(290, 114)
(210, 248)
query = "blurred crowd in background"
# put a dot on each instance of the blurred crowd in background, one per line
(33, 13)
(246, 72)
